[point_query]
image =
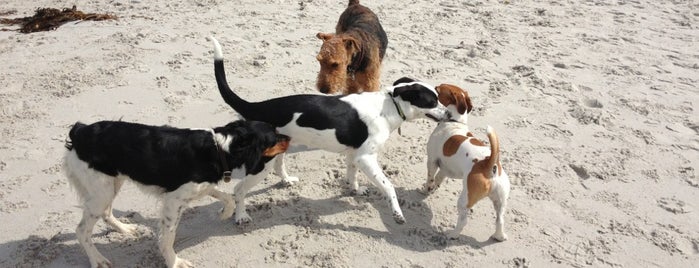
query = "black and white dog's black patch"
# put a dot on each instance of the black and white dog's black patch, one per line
(181, 164)
(356, 125)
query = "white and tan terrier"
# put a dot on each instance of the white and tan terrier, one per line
(453, 151)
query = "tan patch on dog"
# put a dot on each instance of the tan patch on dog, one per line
(453, 95)
(476, 142)
(278, 148)
(452, 145)
(479, 184)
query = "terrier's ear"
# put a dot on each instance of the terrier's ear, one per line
(351, 44)
(469, 106)
(324, 36)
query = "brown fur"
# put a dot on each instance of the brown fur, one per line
(453, 95)
(350, 59)
(452, 145)
(479, 180)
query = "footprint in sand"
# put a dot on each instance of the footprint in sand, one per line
(673, 205)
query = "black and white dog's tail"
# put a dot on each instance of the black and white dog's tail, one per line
(72, 166)
(71, 135)
(238, 104)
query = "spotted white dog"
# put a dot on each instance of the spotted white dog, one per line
(453, 151)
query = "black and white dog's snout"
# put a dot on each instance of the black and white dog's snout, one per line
(442, 117)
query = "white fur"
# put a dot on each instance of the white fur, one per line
(458, 166)
(98, 190)
(218, 52)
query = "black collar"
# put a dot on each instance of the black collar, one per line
(400, 111)
(222, 157)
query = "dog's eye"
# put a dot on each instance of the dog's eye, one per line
(334, 65)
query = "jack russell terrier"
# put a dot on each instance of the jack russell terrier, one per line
(453, 151)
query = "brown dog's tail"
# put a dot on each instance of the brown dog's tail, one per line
(494, 160)
(353, 2)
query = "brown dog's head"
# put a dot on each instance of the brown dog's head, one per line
(334, 56)
(455, 99)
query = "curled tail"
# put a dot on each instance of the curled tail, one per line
(233, 100)
(71, 135)
(494, 160)
(353, 2)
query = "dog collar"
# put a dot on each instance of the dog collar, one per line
(222, 156)
(400, 111)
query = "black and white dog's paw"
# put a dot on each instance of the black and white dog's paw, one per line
(242, 218)
(289, 181)
(361, 190)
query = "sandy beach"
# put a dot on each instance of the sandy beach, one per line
(596, 104)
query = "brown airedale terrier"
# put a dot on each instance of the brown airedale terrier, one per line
(350, 59)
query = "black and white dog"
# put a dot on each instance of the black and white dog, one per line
(356, 125)
(180, 164)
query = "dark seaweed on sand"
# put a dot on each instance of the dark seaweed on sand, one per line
(46, 19)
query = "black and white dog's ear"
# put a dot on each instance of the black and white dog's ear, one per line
(403, 80)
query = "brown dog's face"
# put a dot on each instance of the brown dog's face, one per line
(334, 56)
(453, 95)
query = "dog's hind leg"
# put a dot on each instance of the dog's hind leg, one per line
(99, 195)
(463, 211)
(369, 164)
(499, 204)
(108, 216)
(352, 176)
(280, 169)
(173, 204)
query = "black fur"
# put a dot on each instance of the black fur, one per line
(403, 80)
(416, 94)
(170, 157)
(317, 111)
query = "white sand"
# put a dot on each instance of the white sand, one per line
(596, 104)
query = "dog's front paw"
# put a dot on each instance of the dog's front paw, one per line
(398, 218)
(126, 228)
(361, 190)
(427, 189)
(101, 263)
(182, 263)
(289, 181)
(453, 234)
(242, 218)
(499, 236)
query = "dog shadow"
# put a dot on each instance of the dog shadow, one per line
(63, 250)
(417, 234)
(200, 223)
